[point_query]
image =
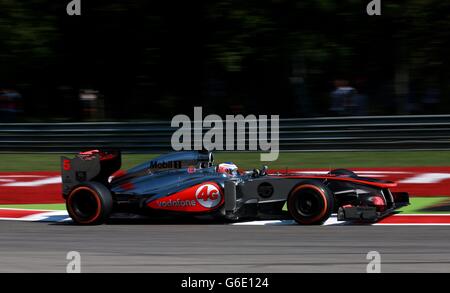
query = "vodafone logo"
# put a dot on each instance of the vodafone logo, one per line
(208, 196)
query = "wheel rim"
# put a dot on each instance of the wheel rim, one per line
(84, 204)
(308, 203)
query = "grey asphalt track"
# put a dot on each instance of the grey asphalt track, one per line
(144, 247)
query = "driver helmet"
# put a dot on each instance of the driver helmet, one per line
(227, 168)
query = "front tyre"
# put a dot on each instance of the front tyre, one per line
(310, 203)
(89, 203)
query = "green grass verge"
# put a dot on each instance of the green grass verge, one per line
(419, 203)
(50, 206)
(50, 162)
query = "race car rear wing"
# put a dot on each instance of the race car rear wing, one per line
(94, 165)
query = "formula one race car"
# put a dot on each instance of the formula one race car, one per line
(189, 183)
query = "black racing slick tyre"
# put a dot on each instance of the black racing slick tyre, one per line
(310, 203)
(89, 203)
(344, 172)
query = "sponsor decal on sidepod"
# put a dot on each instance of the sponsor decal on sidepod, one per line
(198, 198)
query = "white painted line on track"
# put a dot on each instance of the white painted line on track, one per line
(332, 221)
(426, 178)
(51, 180)
(55, 216)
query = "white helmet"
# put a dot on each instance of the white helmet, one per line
(228, 168)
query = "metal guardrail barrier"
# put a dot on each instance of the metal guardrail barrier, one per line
(304, 134)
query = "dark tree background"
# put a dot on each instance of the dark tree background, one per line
(153, 59)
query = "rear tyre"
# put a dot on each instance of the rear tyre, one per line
(344, 172)
(89, 203)
(310, 203)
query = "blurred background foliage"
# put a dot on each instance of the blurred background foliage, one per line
(154, 59)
